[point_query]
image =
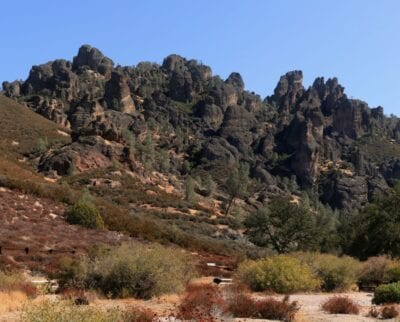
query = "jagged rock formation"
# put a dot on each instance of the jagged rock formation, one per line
(313, 137)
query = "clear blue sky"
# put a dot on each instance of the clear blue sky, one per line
(357, 41)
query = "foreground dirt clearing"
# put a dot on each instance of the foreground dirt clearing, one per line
(166, 305)
(311, 307)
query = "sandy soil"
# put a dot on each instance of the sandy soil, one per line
(310, 307)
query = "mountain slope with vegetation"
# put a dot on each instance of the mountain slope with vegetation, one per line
(175, 154)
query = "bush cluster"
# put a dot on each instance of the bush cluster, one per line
(280, 273)
(131, 270)
(336, 273)
(205, 302)
(49, 311)
(299, 272)
(202, 302)
(14, 281)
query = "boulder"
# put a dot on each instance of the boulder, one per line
(91, 58)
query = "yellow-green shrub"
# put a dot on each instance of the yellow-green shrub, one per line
(393, 273)
(280, 273)
(143, 272)
(336, 273)
(131, 270)
(66, 311)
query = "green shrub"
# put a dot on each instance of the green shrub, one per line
(71, 273)
(336, 273)
(143, 272)
(86, 215)
(281, 274)
(387, 293)
(129, 270)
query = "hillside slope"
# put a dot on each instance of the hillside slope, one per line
(178, 118)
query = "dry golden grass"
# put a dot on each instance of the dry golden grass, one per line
(20, 128)
(11, 301)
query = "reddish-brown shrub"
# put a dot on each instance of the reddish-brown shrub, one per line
(71, 293)
(273, 309)
(389, 312)
(240, 302)
(202, 302)
(374, 312)
(29, 289)
(243, 306)
(340, 305)
(139, 314)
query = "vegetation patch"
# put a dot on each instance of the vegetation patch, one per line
(280, 274)
(387, 293)
(340, 305)
(131, 270)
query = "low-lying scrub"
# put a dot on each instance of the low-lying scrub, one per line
(202, 302)
(389, 312)
(280, 274)
(301, 271)
(336, 273)
(48, 311)
(340, 305)
(387, 293)
(242, 305)
(11, 282)
(131, 270)
(273, 309)
(374, 271)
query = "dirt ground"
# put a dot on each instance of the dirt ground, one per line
(310, 307)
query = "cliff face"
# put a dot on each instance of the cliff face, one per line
(313, 137)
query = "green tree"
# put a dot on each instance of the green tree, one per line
(210, 185)
(283, 225)
(41, 145)
(190, 194)
(376, 229)
(236, 184)
(147, 150)
(84, 212)
(164, 161)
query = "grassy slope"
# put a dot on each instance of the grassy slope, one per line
(19, 124)
(20, 130)
(379, 148)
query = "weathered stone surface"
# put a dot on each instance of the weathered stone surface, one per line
(92, 58)
(84, 154)
(12, 89)
(293, 136)
(117, 94)
(346, 192)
